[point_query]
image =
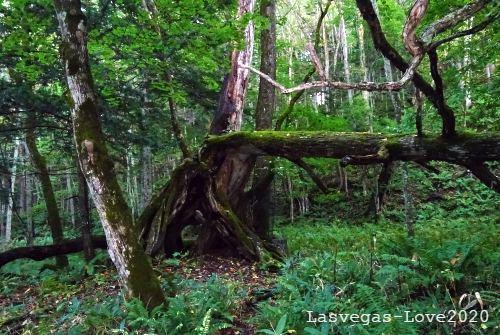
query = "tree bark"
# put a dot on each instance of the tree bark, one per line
(345, 56)
(12, 187)
(38, 161)
(134, 269)
(230, 110)
(361, 148)
(30, 229)
(84, 214)
(408, 202)
(364, 69)
(266, 101)
(214, 198)
(146, 176)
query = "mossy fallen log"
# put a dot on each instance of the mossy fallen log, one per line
(42, 252)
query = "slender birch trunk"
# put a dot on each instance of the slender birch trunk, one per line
(30, 233)
(326, 49)
(84, 214)
(466, 80)
(345, 56)
(362, 61)
(146, 177)
(408, 202)
(10, 204)
(71, 200)
(395, 101)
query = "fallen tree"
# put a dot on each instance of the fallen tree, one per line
(360, 148)
(42, 252)
(191, 198)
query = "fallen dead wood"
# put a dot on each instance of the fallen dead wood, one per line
(42, 252)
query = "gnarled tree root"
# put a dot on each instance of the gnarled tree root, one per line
(190, 199)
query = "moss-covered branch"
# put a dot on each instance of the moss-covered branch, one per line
(380, 147)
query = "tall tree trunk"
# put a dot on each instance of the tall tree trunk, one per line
(4, 195)
(326, 50)
(235, 169)
(345, 55)
(364, 69)
(71, 200)
(467, 76)
(38, 161)
(30, 199)
(131, 184)
(266, 102)
(408, 202)
(12, 188)
(30, 232)
(230, 110)
(84, 214)
(134, 269)
(146, 177)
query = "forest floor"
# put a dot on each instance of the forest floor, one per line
(335, 264)
(43, 302)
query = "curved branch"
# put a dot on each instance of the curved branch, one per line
(362, 86)
(436, 77)
(452, 19)
(463, 33)
(481, 171)
(389, 52)
(310, 171)
(411, 41)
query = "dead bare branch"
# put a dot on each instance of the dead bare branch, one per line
(410, 39)
(452, 19)
(411, 42)
(361, 86)
(316, 62)
(477, 28)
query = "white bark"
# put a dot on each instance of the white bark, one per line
(146, 177)
(345, 56)
(490, 68)
(290, 192)
(29, 210)
(326, 50)
(71, 201)
(408, 202)
(10, 205)
(466, 64)
(3, 204)
(362, 61)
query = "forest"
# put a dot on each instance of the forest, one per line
(199, 167)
